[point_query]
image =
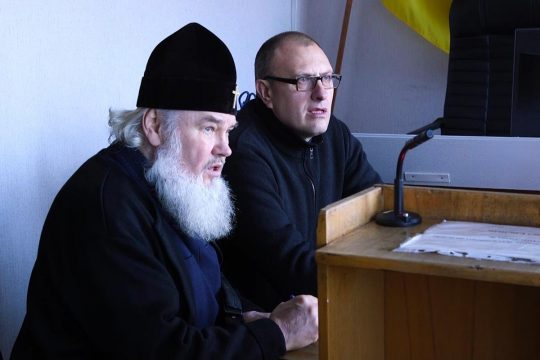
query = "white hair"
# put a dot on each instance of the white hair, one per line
(201, 210)
(126, 125)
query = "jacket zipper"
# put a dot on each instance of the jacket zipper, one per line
(309, 177)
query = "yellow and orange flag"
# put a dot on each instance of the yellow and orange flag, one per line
(428, 18)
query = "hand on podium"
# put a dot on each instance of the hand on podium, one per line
(298, 319)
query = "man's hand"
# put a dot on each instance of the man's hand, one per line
(250, 316)
(298, 319)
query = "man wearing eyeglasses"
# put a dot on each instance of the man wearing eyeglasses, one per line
(291, 157)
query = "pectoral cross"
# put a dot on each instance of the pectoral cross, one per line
(236, 94)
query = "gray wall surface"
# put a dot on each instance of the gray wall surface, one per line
(394, 81)
(502, 163)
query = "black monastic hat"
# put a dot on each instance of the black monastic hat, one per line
(191, 69)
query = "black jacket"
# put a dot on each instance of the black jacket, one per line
(280, 183)
(115, 279)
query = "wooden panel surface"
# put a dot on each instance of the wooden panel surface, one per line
(347, 214)
(439, 318)
(425, 306)
(352, 311)
(469, 205)
(371, 245)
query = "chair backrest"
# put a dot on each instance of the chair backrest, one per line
(480, 68)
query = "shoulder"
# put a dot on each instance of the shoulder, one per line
(88, 178)
(251, 131)
(336, 127)
(102, 192)
(338, 134)
(98, 174)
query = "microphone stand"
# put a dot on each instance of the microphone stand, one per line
(399, 217)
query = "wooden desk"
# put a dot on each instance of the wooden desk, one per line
(378, 304)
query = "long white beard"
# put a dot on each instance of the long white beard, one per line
(200, 210)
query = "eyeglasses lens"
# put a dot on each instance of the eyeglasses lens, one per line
(306, 83)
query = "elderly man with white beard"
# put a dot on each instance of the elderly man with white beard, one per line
(126, 267)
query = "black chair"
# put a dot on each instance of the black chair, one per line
(479, 88)
(480, 68)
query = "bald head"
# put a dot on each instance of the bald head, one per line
(265, 56)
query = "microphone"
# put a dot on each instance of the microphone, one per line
(399, 217)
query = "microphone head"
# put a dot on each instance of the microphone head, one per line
(419, 139)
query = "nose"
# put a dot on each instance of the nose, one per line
(221, 147)
(319, 92)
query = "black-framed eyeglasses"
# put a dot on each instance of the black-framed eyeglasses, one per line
(306, 83)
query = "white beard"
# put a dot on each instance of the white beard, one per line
(204, 211)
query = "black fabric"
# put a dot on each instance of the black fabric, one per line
(232, 305)
(191, 69)
(280, 183)
(115, 279)
(480, 68)
(479, 88)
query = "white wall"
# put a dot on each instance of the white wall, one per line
(63, 63)
(394, 81)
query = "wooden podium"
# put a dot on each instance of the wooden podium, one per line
(378, 304)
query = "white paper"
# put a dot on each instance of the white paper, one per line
(479, 241)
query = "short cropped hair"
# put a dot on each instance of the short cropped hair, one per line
(265, 55)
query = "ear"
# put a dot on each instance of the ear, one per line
(264, 92)
(151, 127)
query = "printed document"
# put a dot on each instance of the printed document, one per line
(479, 241)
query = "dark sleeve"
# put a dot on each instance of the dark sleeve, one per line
(134, 307)
(359, 174)
(267, 238)
(107, 282)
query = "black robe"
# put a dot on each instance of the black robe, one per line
(114, 278)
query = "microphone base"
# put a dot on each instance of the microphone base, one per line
(390, 218)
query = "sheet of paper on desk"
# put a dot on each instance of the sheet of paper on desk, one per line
(479, 241)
